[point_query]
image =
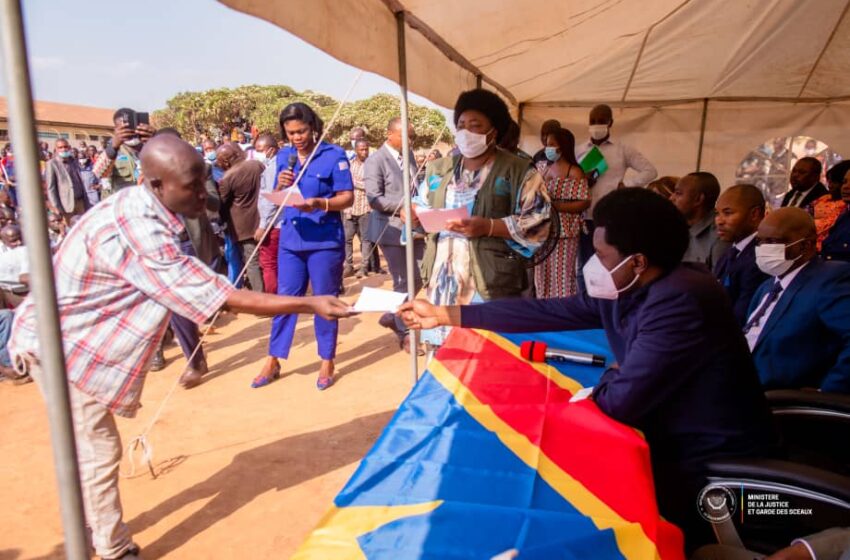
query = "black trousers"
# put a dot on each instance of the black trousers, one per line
(396, 256)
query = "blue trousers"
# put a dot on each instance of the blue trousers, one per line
(323, 270)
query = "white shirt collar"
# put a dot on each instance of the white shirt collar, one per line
(393, 152)
(742, 244)
(786, 280)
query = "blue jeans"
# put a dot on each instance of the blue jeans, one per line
(6, 316)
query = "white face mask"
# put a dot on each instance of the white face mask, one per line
(133, 142)
(261, 157)
(598, 131)
(600, 281)
(770, 258)
(471, 144)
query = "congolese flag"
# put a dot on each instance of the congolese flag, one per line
(486, 455)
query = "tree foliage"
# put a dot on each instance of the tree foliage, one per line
(216, 111)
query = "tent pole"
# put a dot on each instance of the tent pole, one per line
(54, 382)
(406, 178)
(519, 114)
(478, 81)
(702, 132)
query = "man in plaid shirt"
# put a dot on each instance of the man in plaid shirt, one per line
(120, 274)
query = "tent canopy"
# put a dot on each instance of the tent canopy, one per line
(745, 70)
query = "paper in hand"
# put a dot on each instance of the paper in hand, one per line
(373, 300)
(435, 220)
(279, 197)
(581, 394)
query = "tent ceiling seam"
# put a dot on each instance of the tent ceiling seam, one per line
(824, 49)
(444, 47)
(665, 102)
(643, 46)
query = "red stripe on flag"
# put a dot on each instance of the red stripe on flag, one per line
(597, 451)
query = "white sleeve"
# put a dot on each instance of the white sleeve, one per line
(646, 172)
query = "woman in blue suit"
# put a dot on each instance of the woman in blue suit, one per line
(312, 241)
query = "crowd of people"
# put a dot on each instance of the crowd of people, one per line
(706, 295)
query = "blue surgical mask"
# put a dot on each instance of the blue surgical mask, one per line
(210, 156)
(65, 154)
(552, 153)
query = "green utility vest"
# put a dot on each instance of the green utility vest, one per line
(499, 271)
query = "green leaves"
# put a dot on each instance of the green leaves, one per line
(217, 111)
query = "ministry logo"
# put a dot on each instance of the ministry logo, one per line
(716, 504)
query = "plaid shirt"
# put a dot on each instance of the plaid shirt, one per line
(361, 203)
(119, 275)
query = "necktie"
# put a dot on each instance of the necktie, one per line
(772, 296)
(726, 264)
(795, 200)
(400, 160)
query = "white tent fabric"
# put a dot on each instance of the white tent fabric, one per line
(759, 68)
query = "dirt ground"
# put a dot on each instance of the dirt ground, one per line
(247, 473)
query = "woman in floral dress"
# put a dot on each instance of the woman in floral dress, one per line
(570, 196)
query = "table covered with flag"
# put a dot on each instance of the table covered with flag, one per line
(487, 455)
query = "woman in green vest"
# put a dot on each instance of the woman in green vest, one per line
(482, 257)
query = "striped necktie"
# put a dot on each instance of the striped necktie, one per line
(772, 296)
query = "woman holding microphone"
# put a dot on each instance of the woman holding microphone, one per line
(312, 240)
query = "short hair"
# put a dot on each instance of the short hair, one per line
(816, 164)
(707, 185)
(122, 112)
(301, 112)
(605, 109)
(488, 103)
(549, 126)
(838, 171)
(566, 143)
(361, 141)
(267, 137)
(168, 130)
(391, 124)
(639, 221)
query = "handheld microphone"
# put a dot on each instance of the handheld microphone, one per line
(291, 163)
(536, 351)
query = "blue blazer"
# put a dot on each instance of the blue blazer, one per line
(836, 246)
(740, 277)
(685, 375)
(327, 174)
(806, 340)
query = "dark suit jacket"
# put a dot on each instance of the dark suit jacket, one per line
(806, 340)
(685, 376)
(383, 182)
(740, 278)
(240, 188)
(836, 246)
(815, 194)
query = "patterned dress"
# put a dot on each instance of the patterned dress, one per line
(452, 281)
(825, 211)
(556, 276)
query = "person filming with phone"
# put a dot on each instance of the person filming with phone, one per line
(120, 161)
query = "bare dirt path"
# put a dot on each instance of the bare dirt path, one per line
(247, 473)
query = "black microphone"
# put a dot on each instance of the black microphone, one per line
(536, 351)
(292, 159)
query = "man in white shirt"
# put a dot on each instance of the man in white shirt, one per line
(619, 157)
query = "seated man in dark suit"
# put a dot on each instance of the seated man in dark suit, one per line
(805, 184)
(739, 211)
(799, 323)
(836, 246)
(684, 377)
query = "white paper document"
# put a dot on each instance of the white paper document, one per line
(581, 394)
(373, 300)
(278, 197)
(435, 220)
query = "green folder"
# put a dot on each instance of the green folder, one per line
(594, 161)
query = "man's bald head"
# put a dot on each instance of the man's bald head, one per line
(10, 234)
(174, 171)
(228, 155)
(738, 212)
(794, 228)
